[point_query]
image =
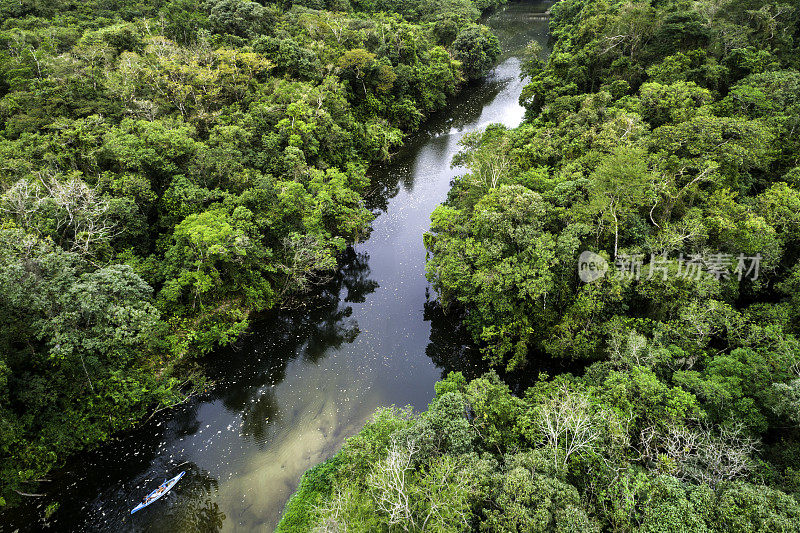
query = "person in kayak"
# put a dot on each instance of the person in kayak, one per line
(159, 492)
(155, 493)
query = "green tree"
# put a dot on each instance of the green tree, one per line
(477, 48)
(619, 187)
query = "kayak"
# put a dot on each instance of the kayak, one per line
(159, 492)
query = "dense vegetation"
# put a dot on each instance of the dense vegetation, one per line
(652, 130)
(663, 136)
(168, 167)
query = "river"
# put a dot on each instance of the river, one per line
(287, 395)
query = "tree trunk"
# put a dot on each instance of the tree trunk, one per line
(616, 231)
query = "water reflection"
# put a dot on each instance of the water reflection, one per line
(321, 324)
(450, 347)
(309, 332)
(388, 179)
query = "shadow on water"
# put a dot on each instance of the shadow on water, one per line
(389, 178)
(309, 332)
(452, 350)
(287, 395)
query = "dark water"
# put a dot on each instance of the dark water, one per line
(301, 382)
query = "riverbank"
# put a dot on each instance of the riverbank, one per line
(300, 382)
(170, 169)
